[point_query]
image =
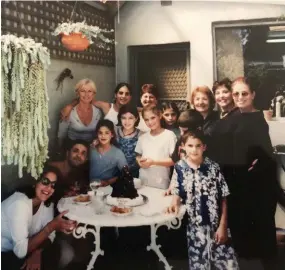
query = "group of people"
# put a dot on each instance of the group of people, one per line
(219, 163)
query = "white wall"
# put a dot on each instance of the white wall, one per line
(104, 78)
(143, 23)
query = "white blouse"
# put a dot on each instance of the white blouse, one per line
(18, 223)
(74, 129)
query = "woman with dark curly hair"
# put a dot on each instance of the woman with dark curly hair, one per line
(221, 140)
(28, 223)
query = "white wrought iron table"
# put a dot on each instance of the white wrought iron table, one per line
(157, 203)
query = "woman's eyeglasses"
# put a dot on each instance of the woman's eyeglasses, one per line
(46, 182)
(243, 94)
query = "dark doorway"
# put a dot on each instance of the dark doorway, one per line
(166, 66)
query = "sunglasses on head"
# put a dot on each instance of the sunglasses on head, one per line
(46, 182)
(243, 94)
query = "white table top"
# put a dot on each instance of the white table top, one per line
(157, 204)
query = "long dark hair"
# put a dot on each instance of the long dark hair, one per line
(169, 105)
(108, 124)
(128, 108)
(122, 84)
(30, 191)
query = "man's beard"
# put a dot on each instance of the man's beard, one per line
(72, 165)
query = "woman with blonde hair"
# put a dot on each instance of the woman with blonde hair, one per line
(203, 101)
(122, 96)
(83, 118)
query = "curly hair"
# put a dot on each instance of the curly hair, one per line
(151, 89)
(226, 82)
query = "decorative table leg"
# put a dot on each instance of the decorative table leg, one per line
(81, 231)
(174, 224)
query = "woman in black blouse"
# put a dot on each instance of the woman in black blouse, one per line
(251, 176)
(203, 101)
(220, 142)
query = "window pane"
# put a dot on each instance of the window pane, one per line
(255, 52)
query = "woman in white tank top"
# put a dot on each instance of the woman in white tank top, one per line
(123, 96)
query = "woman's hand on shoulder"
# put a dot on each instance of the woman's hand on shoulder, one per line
(65, 112)
(104, 106)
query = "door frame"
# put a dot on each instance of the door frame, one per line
(133, 56)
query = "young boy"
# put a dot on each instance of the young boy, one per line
(188, 120)
(199, 183)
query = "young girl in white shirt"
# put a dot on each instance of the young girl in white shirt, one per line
(154, 150)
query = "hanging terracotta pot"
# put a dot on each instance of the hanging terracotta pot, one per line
(75, 42)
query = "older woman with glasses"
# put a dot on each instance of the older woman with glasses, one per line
(251, 177)
(28, 224)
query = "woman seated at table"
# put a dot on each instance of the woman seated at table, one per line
(83, 118)
(28, 225)
(106, 160)
(123, 95)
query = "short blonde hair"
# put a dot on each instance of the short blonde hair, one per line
(205, 90)
(85, 82)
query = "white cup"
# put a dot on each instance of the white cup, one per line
(91, 193)
(137, 183)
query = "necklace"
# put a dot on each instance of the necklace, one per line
(223, 114)
(124, 135)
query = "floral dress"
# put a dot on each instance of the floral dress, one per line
(202, 191)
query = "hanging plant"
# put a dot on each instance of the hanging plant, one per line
(78, 36)
(24, 104)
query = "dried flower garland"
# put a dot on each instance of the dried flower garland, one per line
(24, 104)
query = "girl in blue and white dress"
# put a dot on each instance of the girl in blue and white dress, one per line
(128, 135)
(201, 186)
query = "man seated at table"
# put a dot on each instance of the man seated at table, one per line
(74, 169)
(74, 179)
